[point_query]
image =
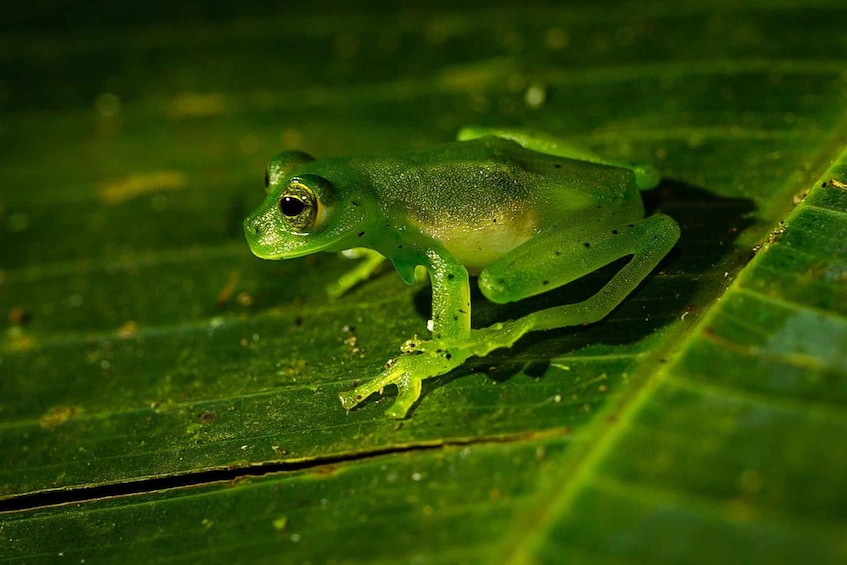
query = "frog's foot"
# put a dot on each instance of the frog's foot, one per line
(406, 372)
(431, 358)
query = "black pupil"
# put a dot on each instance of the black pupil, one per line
(291, 206)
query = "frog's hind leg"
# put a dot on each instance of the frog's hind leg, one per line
(546, 262)
(534, 141)
(646, 177)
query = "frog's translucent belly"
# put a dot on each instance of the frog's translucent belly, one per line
(476, 247)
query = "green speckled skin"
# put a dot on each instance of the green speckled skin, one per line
(525, 212)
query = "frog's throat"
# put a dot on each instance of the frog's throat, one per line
(296, 253)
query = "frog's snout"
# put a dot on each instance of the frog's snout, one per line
(251, 228)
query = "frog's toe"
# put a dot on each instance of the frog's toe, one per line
(408, 392)
(413, 346)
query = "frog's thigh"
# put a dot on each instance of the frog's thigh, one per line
(534, 141)
(544, 263)
(645, 175)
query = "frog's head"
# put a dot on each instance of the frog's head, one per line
(302, 214)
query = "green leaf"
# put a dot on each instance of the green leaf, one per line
(164, 395)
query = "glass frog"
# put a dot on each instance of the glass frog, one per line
(523, 211)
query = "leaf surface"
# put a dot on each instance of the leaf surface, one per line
(178, 395)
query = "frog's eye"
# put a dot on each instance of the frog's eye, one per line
(299, 206)
(291, 206)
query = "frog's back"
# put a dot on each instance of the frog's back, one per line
(470, 179)
(478, 181)
(481, 198)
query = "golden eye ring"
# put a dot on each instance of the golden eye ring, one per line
(298, 206)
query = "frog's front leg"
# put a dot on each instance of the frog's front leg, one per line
(451, 296)
(449, 348)
(370, 262)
